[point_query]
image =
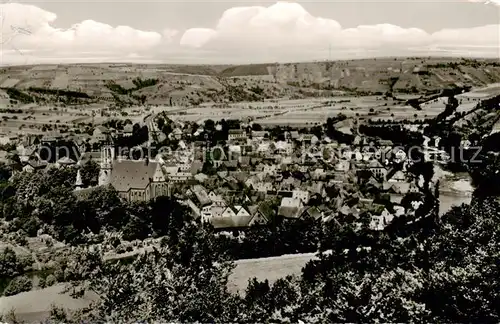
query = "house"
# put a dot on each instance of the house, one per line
(94, 156)
(252, 182)
(318, 174)
(34, 165)
(269, 169)
(264, 187)
(51, 138)
(282, 147)
(264, 148)
(397, 176)
(237, 134)
(201, 177)
(26, 153)
(302, 195)
(177, 173)
(199, 202)
(259, 135)
(216, 200)
(342, 166)
(128, 130)
(377, 169)
(100, 134)
(65, 162)
(313, 212)
(291, 207)
(379, 222)
(308, 139)
(134, 180)
(176, 134)
(239, 217)
(401, 188)
(292, 136)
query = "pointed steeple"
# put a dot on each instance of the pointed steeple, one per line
(79, 182)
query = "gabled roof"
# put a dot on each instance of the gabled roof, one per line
(374, 164)
(51, 136)
(196, 167)
(230, 222)
(128, 128)
(244, 160)
(240, 176)
(314, 212)
(102, 129)
(129, 174)
(236, 131)
(37, 164)
(290, 212)
(230, 164)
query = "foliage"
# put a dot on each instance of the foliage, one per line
(18, 95)
(50, 280)
(46, 198)
(10, 264)
(18, 285)
(183, 281)
(420, 268)
(90, 174)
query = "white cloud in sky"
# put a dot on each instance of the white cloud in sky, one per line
(281, 32)
(493, 2)
(86, 36)
(289, 30)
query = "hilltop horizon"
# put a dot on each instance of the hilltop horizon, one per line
(268, 63)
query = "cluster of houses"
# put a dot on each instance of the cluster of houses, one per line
(302, 175)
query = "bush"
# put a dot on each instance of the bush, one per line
(50, 280)
(59, 275)
(41, 282)
(18, 285)
(120, 249)
(10, 265)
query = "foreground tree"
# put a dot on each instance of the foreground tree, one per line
(183, 281)
(421, 269)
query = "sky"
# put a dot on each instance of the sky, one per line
(239, 32)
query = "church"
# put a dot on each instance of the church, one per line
(141, 180)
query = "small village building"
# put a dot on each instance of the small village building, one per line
(237, 135)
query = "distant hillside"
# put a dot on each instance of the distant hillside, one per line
(182, 84)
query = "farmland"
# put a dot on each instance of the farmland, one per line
(34, 98)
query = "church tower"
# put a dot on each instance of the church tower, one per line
(106, 165)
(79, 182)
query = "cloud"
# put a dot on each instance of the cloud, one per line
(286, 31)
(283, 31)
(86, 37)
(493, 2)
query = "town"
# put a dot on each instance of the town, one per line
(124, 188)
(226, 171)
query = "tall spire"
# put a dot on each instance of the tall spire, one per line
(79, 182)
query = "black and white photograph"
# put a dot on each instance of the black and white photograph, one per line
(249, 161)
